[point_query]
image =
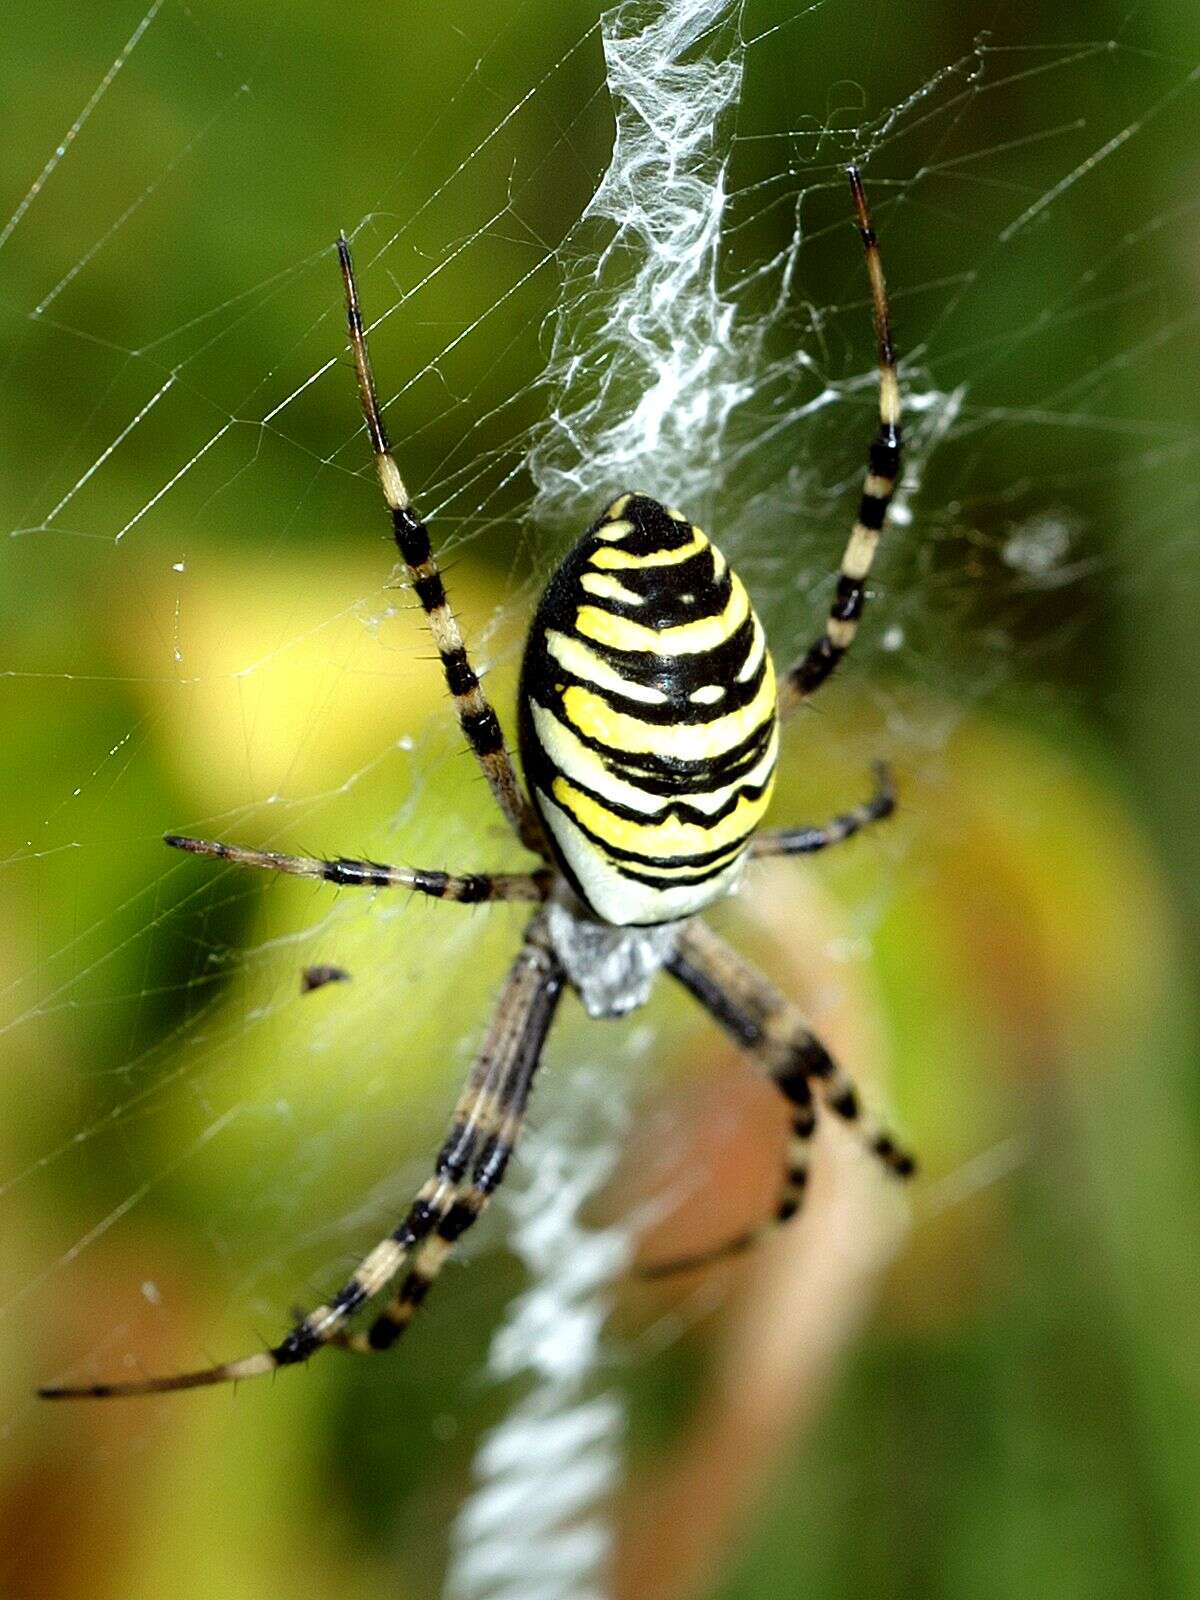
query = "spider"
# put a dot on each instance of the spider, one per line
(649, 728)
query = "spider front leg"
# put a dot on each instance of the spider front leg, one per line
(811, 671)
(480, 1140)
(476, 717)
(346, 872)
(772, 1030)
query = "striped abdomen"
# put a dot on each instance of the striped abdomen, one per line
(648, 716)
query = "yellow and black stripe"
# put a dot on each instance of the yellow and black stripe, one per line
(648, 716)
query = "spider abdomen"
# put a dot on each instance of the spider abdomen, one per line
(648, 716)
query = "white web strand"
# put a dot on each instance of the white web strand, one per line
(77, 127)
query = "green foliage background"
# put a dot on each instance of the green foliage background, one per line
(1020, 1415)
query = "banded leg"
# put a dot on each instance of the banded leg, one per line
(811, 671)
(476, 717)
(490, 1166)
(471, 888)
(758, 1017)
(806, 841)
(478, 1143)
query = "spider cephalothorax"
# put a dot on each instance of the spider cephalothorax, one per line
(649, 731)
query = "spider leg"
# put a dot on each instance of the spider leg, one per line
(473, 887)
(479, 1143)
(805, 841)
(470, 1202)
(476, 717)
(772, 1029)
(811, 671)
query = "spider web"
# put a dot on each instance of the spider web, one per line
(595, 257)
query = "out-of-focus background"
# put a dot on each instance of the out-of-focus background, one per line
(997, 1395)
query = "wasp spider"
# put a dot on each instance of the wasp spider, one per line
(649, 727)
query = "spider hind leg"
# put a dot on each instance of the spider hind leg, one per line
(470, 1200)
(772, 1030)
(482, 1133)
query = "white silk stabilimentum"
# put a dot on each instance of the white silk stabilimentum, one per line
(644, 376)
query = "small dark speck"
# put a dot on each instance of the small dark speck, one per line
(317, 977)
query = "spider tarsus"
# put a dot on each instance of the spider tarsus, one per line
(343, 250)
(196, 847)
